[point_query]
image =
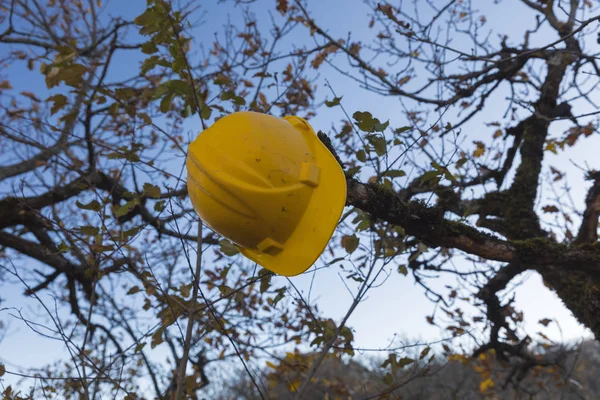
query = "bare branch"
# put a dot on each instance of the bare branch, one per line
(588, 231)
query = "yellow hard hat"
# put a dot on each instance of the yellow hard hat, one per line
(270, 186)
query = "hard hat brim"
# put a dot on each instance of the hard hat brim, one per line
(316, 226)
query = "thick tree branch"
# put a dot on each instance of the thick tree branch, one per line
(495, 311)
(426, 223)
(43, 254)
(588, 231)
(14, 211)
(520, 215)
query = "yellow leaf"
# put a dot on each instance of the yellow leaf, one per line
(59, 101)
(404, 80)
(480, 150)
(458, 357)
(551, 146)
(270, 364)
(497, 134)
(486, 385)
(294, 385)
(479, 369)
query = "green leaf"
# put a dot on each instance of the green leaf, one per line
(361, 156)
(165, 103)
(238, 100)
(146, 118)
(114, 109)
(205, 112)
(380, 127)
(134, 290)
(444, 171)
(88, 230)
(227, 95)
(152, 62)
(172, 87)
(157, 337)
(364, 225)
(437, 166)
(178, 86)
(279, 297)
(139, 347)
(228, 248)
(352, 172)
(395, 173)
(391, 360)
(225, 290)
(159, 206)
(334, 102)
(186, 111)
(151, 191)
(402, 269)
(230, 95)
(131, 232)
(329, 328)
(185, 290)
(388, 379)
(402, 129)
(125, 94)
(125, 208)
(222, 80)
(378, 143)
(347, 333)
(429, 175)
(93, 205)
(63, 247)
(350, 243)
(366, 122)
(149, 48)
(461, 162)
(265, 280)
(152, 16)
(404, 361)
(448, 175)
(126, 153)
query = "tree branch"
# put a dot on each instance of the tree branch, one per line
(426, 223)
(588, 231)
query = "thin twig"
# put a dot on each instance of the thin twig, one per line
(192, 314)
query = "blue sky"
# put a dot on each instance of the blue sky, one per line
(399, 307)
